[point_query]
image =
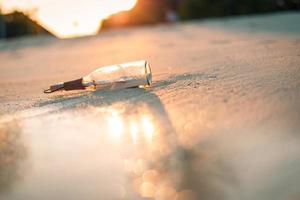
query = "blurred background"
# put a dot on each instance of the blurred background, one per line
(68, 19)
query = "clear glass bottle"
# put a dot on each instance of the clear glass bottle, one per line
(126, 75)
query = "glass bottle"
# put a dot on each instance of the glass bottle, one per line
(126, 75)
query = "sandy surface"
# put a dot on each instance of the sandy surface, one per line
(220, 122)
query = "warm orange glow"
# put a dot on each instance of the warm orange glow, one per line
(68, 18)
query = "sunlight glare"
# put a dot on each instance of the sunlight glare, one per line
(68, 18)
(134, 131)
(116, 125)
(148, 127)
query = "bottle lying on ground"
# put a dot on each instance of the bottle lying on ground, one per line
(127, 75)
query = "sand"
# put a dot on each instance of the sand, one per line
(221, 120)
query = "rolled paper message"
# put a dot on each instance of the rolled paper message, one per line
(126, 75)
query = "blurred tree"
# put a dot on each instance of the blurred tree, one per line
(144, 12)
(289, 4)
(18, 24)
(2, 26)
(154, 11)
(192, 9)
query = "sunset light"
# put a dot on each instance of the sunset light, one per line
(68, 18)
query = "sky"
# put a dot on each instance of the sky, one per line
(68, 18)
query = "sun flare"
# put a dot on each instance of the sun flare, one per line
(67, 18)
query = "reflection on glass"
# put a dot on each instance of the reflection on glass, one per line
(125, 75)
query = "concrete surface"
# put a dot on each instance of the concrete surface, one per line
(221, 120)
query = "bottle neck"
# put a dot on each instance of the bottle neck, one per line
(74, 85)
(69, 85)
